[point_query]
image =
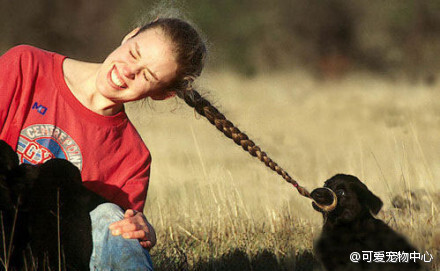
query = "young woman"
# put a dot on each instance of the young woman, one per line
(53, 106)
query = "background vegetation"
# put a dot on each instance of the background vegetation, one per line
(216, 208)
(323, 86)
(251, 37)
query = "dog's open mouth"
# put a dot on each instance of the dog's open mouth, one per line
(325, 199)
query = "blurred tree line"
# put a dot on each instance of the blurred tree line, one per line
(326, 37)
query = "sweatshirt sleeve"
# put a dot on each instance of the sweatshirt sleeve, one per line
(10, 78)
(136, 188)
(19, 68)
(12, 64)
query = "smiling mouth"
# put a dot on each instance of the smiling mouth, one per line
(115, 79)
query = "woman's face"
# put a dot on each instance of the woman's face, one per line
(143, 66)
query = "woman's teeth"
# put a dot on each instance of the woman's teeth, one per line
(116, 79)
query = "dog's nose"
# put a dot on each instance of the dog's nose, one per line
(322, 196)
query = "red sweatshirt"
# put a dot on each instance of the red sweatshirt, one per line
(41, 118)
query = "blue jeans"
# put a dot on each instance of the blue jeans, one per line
(112, 253)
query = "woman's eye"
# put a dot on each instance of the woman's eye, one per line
(132, 54)
(145, 76)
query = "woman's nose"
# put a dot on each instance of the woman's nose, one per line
(130, 71)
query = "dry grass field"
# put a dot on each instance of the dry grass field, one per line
(215, 207)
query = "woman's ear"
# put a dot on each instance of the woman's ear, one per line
(133, 33)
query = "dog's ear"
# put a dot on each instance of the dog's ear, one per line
(368, 199)
(8, 157)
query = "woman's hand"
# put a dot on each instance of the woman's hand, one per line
(135, 226)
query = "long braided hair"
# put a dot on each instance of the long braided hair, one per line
(206, 109)
(190, 53)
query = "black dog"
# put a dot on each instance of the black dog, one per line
(48, 207)
(350, 227)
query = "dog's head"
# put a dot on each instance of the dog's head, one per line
(354, 198)
(16, 181)
(8, 164)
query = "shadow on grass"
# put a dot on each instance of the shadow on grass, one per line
(238, 260)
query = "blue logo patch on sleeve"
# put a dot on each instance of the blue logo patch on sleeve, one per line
(40, 108)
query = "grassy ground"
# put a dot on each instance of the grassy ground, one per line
(214, 207)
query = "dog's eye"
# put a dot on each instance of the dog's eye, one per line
(340, 193)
